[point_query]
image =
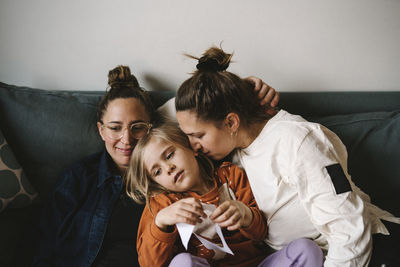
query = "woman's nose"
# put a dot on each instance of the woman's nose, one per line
(126, 137)
(195, 146)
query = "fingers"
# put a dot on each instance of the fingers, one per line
(227, 215)
(233, 222)
(187, 210)
(192, 206)
(268, 95)
(275, 100)
(256, 81)
(231, 214)
(219, 211)
(188, 218)
(264, 92)
(235, 226)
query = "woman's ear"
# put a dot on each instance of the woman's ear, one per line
(100, 130)
(232, 121)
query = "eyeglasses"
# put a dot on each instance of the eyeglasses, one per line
(137, 130)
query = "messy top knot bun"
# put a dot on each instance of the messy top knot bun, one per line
(121, 76)
(212, 92)
(214, 59)
(123, 84)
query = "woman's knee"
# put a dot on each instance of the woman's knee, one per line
(188, 260)
(182, 259)
(307, 245)
(306, 252)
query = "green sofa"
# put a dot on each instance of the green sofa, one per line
(49, 130)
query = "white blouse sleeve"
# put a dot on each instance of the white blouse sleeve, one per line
(319, 170)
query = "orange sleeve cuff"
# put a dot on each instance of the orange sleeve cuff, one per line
(166, 237)
(257, 230)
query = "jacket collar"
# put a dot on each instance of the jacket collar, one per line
(106, 166)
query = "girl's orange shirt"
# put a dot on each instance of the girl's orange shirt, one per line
(157, 248)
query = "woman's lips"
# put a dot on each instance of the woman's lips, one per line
(126, 151)
(178, 176)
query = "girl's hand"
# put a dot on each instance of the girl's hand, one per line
(268, 95)
(187, 210)
(232, 214)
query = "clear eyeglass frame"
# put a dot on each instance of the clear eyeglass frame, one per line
(136, 130)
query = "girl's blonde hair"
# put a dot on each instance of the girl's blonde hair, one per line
(139, 184)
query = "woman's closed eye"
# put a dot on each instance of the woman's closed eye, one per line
(198, 136)
(195, 136)
(115, 128)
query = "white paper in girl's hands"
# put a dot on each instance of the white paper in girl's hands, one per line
(185, 231)
(206, 228)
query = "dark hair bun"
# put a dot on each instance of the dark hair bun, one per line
(214, 59)
(209, 64)
(121, 77)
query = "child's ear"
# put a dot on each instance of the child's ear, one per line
(232, 121)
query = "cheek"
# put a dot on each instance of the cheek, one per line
(217, 140)
(221, 143)
(155, 180)
(110, 143)
(110, 146)
(163, 182)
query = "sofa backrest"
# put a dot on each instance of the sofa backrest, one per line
(50, 130)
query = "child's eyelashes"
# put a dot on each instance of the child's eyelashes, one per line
(157, 172)
(170, 155)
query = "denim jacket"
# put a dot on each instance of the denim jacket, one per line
(75, 218)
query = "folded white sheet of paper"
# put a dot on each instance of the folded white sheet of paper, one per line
(205, 228)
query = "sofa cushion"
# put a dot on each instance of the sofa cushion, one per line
(373, 143)
(48, 130)
(15, 189)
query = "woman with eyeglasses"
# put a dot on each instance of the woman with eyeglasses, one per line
(89, 220)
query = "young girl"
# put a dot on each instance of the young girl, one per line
(297, 169)
(175, 182)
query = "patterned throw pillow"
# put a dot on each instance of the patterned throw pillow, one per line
(15, 189)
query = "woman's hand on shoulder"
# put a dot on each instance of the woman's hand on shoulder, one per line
(232, 214)
(186, 210)
(268, 95)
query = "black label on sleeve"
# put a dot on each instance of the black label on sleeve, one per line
(338, 178)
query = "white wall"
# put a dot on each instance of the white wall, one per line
(293, 45)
